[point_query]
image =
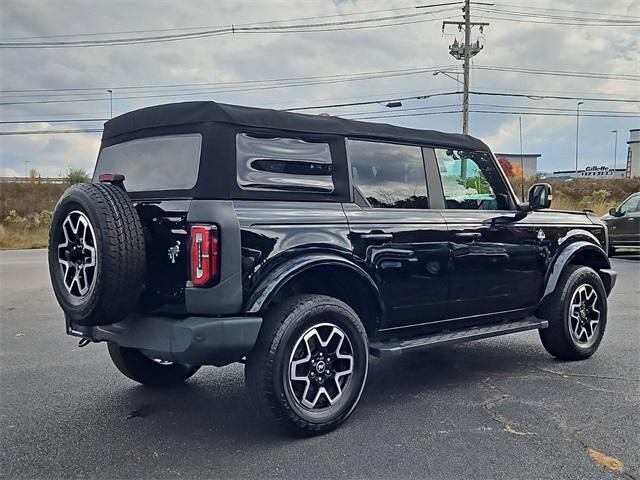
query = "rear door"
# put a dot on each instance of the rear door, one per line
(497, 262)
(398, 239)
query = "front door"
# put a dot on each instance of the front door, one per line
(402, 243)
(625, 229)
(497, 265)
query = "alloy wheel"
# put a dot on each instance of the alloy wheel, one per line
(77, 254)
(321, 367)
(584, 316)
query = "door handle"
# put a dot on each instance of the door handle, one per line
(468, 236)
(379, 237)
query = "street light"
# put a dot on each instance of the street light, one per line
(615, 151)
(110, 102)
(577, 132)
(25, 168)
(438, 72)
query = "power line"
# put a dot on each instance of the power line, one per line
(556, 97)
(209, 27)
(561, 73)
(51, 132)
(528, 17)
(233, 29)
(231, 86)
(321, 81)
(600, 14)
(559, 16)
(495, 112)
(275, 82)
(55, 120)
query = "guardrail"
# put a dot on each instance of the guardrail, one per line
(33, 180)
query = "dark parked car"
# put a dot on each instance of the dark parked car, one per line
(623, 223)
(299, 245)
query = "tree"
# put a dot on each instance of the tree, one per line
(506, 166)
(76, 175)
(34, 175)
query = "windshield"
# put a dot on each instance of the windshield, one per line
(155, 163)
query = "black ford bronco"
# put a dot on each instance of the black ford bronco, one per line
(299, 245)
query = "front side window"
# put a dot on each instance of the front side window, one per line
(283, 164)
(471, 181)
(630, 205)
(386, 175)
(169, 162)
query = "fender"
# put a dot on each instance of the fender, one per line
(284, 272)
(567, 254)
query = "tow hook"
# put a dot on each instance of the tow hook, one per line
(83, 342)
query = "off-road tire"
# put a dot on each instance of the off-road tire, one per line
(138, 367)
(120, 254)
(557, 339)
(267, 364)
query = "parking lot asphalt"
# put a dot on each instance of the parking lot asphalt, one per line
(496, 408)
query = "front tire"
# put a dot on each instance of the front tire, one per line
(309, 366)
(153, 373)
(577, 315)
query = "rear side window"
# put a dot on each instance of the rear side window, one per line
(155, 163)
(387, 175)
(283, 164)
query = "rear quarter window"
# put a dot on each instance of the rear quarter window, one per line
(283, 164)
(169, 162)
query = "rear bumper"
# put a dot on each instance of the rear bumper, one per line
(192, 340)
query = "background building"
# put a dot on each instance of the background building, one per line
(627, 170)
(633, 154)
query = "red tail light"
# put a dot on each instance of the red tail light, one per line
(205, 248)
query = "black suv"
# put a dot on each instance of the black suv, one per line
(299, 245)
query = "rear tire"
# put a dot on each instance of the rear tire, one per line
(142, 369)
(309, 366)
(96, 254)
(577, 315)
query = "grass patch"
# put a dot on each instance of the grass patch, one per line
(17, 236)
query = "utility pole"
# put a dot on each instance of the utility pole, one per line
(577, 133)
(615, 152)
(464, 52)
(110, 102)
(467, 48)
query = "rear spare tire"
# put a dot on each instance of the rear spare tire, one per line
(96, 254)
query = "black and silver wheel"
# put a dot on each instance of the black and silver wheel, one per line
(310, 363)
(77, 254)
(152, 372)
(577, 315)
(96, 254)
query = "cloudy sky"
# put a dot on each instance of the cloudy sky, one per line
(360, 50)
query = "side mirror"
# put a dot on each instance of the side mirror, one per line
(540, 196)
(614, 212)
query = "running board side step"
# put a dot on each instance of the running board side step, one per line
(392, 348)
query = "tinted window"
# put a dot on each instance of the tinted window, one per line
(387, 175)
(470, 180)
(283, 164)
(154, 163)
(630, 205)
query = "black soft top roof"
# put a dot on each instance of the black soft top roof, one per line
(186, 113)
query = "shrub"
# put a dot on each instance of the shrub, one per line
(76, 175)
